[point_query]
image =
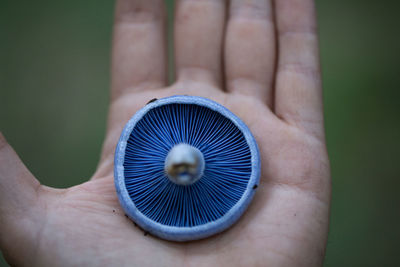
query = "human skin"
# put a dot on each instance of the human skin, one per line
(260, 60)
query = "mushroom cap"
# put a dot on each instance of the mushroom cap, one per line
(208, 204)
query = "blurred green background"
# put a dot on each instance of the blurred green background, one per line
(54, 79)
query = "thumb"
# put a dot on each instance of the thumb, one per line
(18, 195)
(18, 187)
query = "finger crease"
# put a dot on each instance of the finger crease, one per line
(300, 69)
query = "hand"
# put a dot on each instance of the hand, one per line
(228, 53)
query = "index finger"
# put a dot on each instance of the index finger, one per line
(139, 46)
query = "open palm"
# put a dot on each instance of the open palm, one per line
(228, 53)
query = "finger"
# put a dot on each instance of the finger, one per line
(298, 83)
(139, 46)
(199, 29)
(18, 187)
(250, 48)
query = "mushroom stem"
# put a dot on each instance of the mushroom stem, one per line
(184, 164)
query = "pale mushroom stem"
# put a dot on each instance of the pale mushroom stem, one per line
(184, 164)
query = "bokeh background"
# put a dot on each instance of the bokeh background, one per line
(54, 79)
